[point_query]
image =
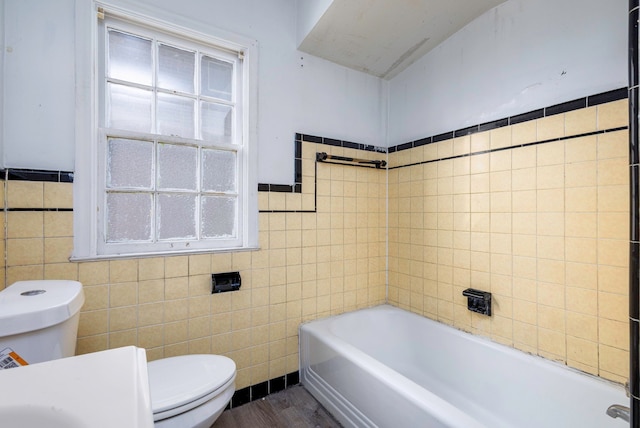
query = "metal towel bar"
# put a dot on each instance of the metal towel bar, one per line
(323, 157)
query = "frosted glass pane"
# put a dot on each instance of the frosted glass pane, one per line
(218, 171)
(176, 115)
(130, 164)
(128, 217)
(176, 69)
(176, 216)
(217, 122)
(129, 108)
(129, 58)
(218, 217)
(177, 167)
(217, 78)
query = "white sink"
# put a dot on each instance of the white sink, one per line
(103, 389)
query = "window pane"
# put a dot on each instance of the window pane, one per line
(218, 217)
(130, 108)
(218, 171)
(217, 78)
(176, 216)
(175, 115)
(176, 69)
(129, 164)
(128, 217)
(217, 122)
(170, 132)
(177, 167)
(129, 58)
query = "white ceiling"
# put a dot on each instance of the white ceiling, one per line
(383, 37)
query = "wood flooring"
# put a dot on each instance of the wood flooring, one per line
(294, 407)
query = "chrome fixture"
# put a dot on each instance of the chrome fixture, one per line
(618, 411)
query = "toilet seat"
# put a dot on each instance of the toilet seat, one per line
(179, 384)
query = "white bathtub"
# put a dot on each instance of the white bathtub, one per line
(386, 367)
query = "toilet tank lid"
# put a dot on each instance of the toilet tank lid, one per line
(33, 305)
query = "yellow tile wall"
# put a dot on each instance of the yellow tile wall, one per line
(311, 264)
(543, 227)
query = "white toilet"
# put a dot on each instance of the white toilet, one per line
(190, 390)
(39, 322)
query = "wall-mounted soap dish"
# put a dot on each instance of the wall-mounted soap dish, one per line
(478, 301)
(228, 281)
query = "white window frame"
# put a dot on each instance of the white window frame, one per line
(89, 242)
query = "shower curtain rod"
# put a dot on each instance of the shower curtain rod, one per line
(323, 157)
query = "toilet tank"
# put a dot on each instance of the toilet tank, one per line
(39, 319)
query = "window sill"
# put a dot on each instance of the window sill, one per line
(104, 257)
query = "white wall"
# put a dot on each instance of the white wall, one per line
(519, 56)
(38, 98)
(508, 61)
(297, 93)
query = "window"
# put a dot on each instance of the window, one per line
(171, 145)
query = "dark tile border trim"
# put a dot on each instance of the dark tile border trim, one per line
(279, 188)
(36, 175)
(339, 143)
(297, 187)
(618, 94)
(579, 103)
(525, 117)
(607, 97)
(590, 101)
(565, 107)
(261, 390)
(535, 143)
(297, 171)
(38, 209)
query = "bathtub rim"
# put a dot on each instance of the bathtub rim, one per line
(441, 409)
(322, 329)
(474, 337)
